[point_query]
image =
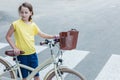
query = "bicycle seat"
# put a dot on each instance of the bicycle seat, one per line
(11, 53)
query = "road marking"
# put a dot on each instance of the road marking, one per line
(111, 70)
(40, 48)
(2, 45)
(71, 59)
(5, 78)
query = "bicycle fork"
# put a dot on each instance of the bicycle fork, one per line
(56, 66)
(58, 72)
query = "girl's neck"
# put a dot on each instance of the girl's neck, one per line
(27, 21)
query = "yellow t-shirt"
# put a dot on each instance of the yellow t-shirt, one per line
(24, 36)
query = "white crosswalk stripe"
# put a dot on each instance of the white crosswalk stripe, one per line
(71, 59)
(111, 70)
(2, 45)
(40, 48)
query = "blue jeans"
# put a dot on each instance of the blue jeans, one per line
(29, 60)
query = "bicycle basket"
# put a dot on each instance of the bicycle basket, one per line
(68, 39)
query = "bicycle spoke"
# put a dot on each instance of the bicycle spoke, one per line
(2, 67)
(5, 74)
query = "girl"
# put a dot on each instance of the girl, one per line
(24, 30)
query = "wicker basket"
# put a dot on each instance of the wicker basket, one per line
(68, 40)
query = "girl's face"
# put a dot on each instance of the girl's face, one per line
(25, 13)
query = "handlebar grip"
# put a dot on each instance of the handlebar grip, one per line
(44, 42)
(48, 41)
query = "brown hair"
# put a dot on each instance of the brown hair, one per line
(29, 6)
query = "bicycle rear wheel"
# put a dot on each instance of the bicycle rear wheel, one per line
(5, 73)
(67, 74)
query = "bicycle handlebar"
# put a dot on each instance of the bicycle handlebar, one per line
(46, 41)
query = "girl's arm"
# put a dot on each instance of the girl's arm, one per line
(44, 35)
(8, 38)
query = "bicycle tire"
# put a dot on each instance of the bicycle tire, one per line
(4, 65)
(70, 74)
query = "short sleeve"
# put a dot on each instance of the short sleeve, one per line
(14, 25)
(36, 29)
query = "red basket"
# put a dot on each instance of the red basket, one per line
(68, 40)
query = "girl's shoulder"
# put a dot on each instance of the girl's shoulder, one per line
(17, 21)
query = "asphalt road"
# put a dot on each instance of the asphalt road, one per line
(96, 20)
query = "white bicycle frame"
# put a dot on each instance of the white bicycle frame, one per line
(42, 66)
(36, 70)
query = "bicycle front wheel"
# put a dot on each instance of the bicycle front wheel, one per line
(66, 74)
(5, 73)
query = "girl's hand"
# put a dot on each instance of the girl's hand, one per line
(16, 51)
(56, 37)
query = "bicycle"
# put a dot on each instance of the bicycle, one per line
(59, 72)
